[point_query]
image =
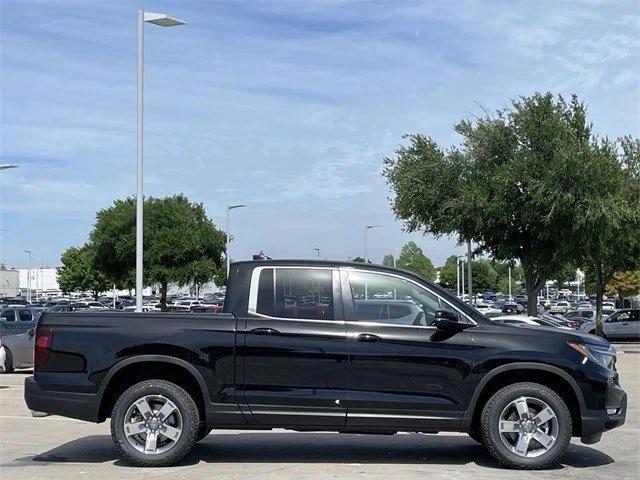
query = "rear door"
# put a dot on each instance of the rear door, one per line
(404, 373)
(294, 348)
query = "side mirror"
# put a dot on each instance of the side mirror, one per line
(448, 321)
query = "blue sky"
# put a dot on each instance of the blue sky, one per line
(286, 106)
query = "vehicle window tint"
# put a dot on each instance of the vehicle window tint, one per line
(266, 293)
(304, 293)
(25, 315)
(623, 317)
(587, 313)
(9, 316)
(387, 299)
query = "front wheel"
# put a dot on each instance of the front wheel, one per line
(526, 426)
(8, 362)
(154, 423)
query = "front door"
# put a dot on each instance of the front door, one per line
(404, 373)
(294, 348)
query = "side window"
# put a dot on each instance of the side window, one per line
(387, 299)
(623, 317)
(266, 293)
(305, 293)
(9, 316)
(25, 315)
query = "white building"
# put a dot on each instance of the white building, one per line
(9, 283)
(44, 281)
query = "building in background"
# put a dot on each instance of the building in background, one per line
(9, 283)
(44, 282)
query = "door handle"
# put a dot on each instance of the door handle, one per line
(367, 337)
(264, 331)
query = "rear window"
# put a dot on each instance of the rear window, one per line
(304, 293)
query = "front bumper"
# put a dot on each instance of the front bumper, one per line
(595, 422)
(83, 406)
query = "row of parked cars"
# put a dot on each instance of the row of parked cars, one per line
(18, 319)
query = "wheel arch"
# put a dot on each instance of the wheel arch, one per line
(143, 367)
(548, 375)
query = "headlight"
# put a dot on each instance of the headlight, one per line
(603, 356)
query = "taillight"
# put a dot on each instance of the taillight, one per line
(42, 348)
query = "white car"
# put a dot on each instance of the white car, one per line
(186, 305)
(560, 307)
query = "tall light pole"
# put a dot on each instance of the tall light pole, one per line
(28, 276)
(366, 229)
(228, 233)
(163, 21)
(509, 280)
(317, 250)
(469, 274)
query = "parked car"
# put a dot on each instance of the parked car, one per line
(517, 320)
(560, 307)
(16, 337)
(508, 308)
(185, 305)
(295, 349)
(622, 324)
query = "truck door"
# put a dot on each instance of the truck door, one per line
(404, 373)
(295, 347)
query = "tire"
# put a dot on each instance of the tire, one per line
(523, 427)
(8, 362)
(142, 406)
(476, 436)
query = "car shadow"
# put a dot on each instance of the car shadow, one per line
(292, 447)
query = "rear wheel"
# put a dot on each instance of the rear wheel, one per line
(526, 425)
(154, 423)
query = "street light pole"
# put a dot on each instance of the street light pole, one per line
(228, 233)
(163, 21)
(317, 250)
(28, 276)
(469, 278)
(458, 277)
(367, 228)
(509, 281)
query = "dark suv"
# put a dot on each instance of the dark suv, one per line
(345, 347)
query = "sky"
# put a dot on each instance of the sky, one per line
(288, 107)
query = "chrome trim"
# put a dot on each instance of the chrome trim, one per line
(385, 415)
(377, 272)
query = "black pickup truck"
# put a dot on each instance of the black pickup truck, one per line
(333, 346)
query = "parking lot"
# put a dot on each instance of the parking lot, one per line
(56, 447)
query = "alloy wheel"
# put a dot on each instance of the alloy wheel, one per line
(528, 427)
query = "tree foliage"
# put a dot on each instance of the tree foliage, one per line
(78, 273)
(509, 187)
(181, 244)
(412, 258)
(388, 260)
(624, 284)
(607, 231)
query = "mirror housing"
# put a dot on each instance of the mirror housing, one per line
(449, 321)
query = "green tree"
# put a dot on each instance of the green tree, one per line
(448, 273)
(624, 284)
(360, 260)
(606, 231)
(503, 189)
(78, 273)
(181, 244)
(413, 258)
(484, 277)
(565, 274)
(388, 260)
